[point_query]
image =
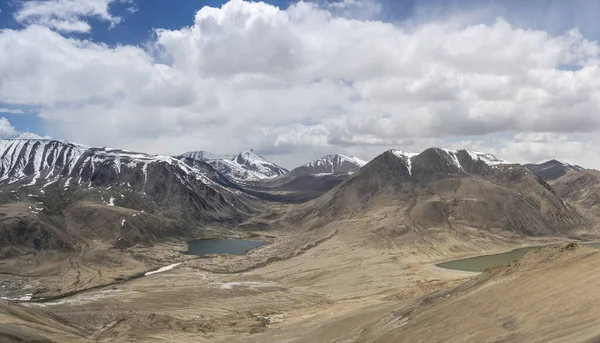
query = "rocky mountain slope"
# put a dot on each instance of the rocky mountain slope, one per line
(553, 169)
(245, 166)
(52, 190)
(455, 190)
(21, 324)
(582, 189)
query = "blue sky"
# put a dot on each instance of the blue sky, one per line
(511, 77)
(555, 16)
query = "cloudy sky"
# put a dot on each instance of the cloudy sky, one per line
(296, 80)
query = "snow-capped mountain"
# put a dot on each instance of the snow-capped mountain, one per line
(246, 166)
(45, 161)
(253, 161)
(330, 164)
(32, 159)
(39, 164)
(448, 160)
(553, 169)
(66, 191)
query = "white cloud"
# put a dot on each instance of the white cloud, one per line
(11, 110)
(31, 135)
(65, 15)
(540, 147)
(305, 78)
(6, 129)
(301, 136)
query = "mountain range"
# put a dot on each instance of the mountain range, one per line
(245, 166)
(456, 190)
(51, 191)
(76, 218)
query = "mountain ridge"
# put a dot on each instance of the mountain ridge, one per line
(442, 188)
(43, 180)
(247, 165)
(552, 169)
(330, 164)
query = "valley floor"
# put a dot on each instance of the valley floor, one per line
(304, 287)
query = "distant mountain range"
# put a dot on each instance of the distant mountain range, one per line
(57, 186)
(245, 166)
(330, 164)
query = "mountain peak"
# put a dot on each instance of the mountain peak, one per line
(330, 164)
(248, 165)
(552, 169)
(447, 160)
(249, 155)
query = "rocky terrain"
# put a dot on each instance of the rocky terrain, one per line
(582, 190)
(351, 255)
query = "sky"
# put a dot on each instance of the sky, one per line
(296, 80)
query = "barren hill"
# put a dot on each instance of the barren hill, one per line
(582, 189)
(439, 188)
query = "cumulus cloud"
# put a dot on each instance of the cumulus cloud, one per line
(539, 147)
(249, 74)
(65, 15)
(6, 129)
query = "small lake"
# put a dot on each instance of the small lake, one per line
(481, 263)
(222, 246)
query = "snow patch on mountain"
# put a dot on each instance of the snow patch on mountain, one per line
(246, 166)
(451, 157)
(253, 161)
(405, 157)
(21, 158)
(330, 164)
(45, 161)
(487, 158)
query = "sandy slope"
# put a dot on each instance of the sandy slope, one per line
(20, 324)
(547, 296)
